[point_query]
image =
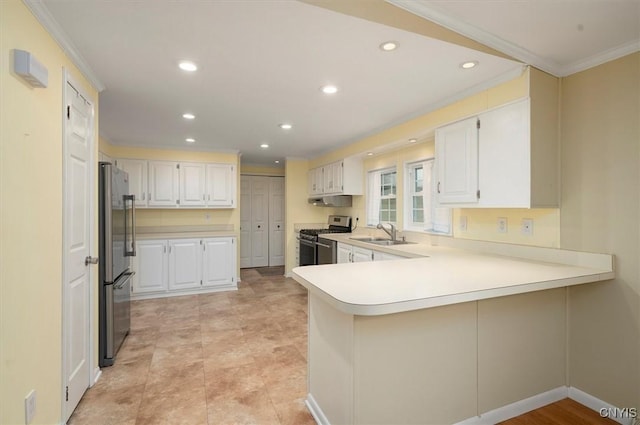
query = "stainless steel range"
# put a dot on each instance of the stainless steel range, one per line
(309, 245)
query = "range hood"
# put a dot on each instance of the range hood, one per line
(331, 201)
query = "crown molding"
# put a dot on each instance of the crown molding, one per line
(190, 148)
(446, 20)
(600, 58)
(44, 16)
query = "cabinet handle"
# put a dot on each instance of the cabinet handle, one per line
(169, 249)
(350, 257)
(203, 197)
(438, 187)
(149, 195)
(209, 196)
(164, 249)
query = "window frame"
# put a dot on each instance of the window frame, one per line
(437, 220)
(374, 195)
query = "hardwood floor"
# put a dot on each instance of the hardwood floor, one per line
(563, 412)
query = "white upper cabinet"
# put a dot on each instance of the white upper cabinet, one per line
(171, 184)
(137, 171)
(192, 184)
(164, 186)
(343, 177)
(501, 164)
(316, 181)
(457, 154)
(221, 186)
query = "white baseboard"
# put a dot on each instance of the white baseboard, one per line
(96, 375)
(602, 407)
(316, 411)
(518, 408)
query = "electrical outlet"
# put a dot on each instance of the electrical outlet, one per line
(502, 225)
(462, 224)
(526, 228)
(207, 216)
(29, 407)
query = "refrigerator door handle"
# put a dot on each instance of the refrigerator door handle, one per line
(132, 252)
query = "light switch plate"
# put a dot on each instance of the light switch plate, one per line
(462, 224)
(29, 406)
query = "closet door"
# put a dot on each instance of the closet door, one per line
(259, 221)
(245, 222)
(276, 221)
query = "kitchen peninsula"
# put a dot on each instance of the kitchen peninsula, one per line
(447, 336)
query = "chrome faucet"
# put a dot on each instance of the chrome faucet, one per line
(392, 233)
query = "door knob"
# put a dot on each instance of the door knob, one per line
(258, 226)
(90, 260)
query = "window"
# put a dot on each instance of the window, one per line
(420, 205)
(381, 199)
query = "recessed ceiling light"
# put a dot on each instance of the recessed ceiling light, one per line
(329, 89)
(389, 46)
(469, 64)
(369, 153)
(413, 140)
(188, 116)
(277, 162)
(190, 140)
(188, 66)
(264, 146)
(285, 126)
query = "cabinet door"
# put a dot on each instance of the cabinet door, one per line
(276, 221)
(457, 162)
(137, 171)
(185, 263)
(163, 183)
(505, 157)
(219, 262)
(344, 253)
(151, 272)
(221, 185)
(362, 254)
(192, 184)
(315, 181)
(332, 178)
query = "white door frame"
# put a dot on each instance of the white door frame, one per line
(94, 372)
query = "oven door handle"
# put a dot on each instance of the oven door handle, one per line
(307, 243)
(323, 245)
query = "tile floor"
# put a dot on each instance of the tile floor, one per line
(224, 358)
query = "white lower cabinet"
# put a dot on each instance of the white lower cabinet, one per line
(184, 266)
(219, 266)
(151, 267)
(355, 254)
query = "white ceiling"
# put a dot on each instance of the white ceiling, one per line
(558, 36)
(262, 62)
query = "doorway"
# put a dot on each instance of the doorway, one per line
(78, 237)
(262, 206)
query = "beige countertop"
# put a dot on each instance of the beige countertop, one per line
(444, 275)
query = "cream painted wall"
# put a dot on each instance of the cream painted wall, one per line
(31, 220)
(261, 170)
(600, 211)
(179, 216)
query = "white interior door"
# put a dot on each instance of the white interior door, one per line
(77, 235)
(245, 221)
(276, 221)
(259, 221)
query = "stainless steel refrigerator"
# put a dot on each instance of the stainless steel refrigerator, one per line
(117, 244)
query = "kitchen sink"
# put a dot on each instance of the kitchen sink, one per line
(380, 241)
